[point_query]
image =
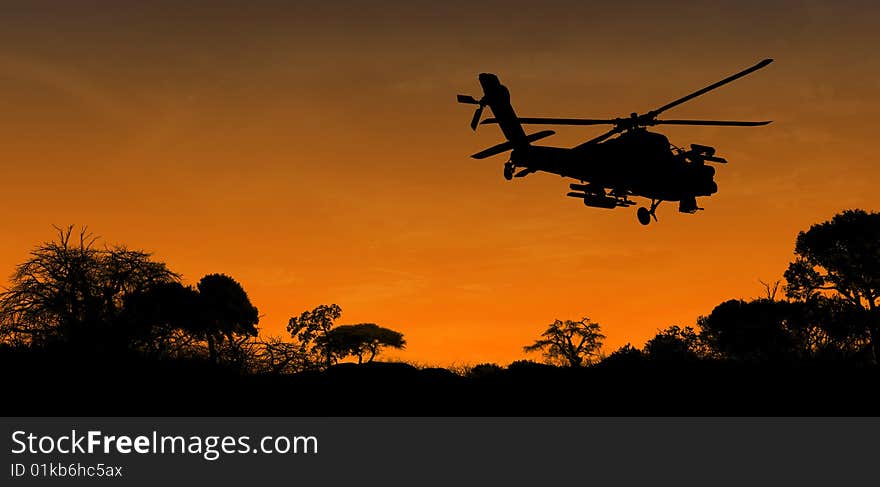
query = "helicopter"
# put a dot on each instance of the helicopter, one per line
(626, 161)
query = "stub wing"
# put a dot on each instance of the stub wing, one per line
(506, 146)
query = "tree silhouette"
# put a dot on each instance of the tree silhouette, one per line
(572, 343)
(625, 356)
(360, 340)
(484, 370)
(165, 319)
(674, 344)
(310, 329)
(841, 258)
(69, 290)
(758, 330)
(170, 319)
(274, 355)
(835, 330)
(227, 316)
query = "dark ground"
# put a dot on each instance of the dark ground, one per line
(54, 385)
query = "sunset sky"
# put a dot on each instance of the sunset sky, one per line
(316, 153)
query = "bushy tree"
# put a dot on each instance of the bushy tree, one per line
(72, 291)
(758, 330)
(833, 329)
(840, 259)
(674, 344)
(214, 319)
(625, 356)
(227, 316)
(162, 319)
(571, 343)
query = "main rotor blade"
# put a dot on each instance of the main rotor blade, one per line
(599, 121)
(711, 87)
(468, 99)
(722, 123)
(559, 121)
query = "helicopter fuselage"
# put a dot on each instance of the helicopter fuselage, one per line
(637, 163)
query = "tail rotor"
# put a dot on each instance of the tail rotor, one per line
(478, 114)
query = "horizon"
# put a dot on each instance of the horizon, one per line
(317, 155)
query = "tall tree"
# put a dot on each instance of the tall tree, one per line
(572, 343)
(841, 258)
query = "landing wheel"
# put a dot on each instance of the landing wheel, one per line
(508, 170)
(643, 215)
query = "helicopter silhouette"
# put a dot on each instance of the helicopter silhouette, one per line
(635, 163)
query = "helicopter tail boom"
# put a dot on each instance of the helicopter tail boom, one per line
(497, 98)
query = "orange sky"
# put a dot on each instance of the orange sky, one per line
(316, 153)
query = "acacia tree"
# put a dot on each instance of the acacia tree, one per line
(840, 259)
(310, 329)
(572, 343)
(71, 290)
(360, 340)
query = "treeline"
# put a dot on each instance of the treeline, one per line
(828, 314)
(73, 297)
(77, 314)
(72, 294)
